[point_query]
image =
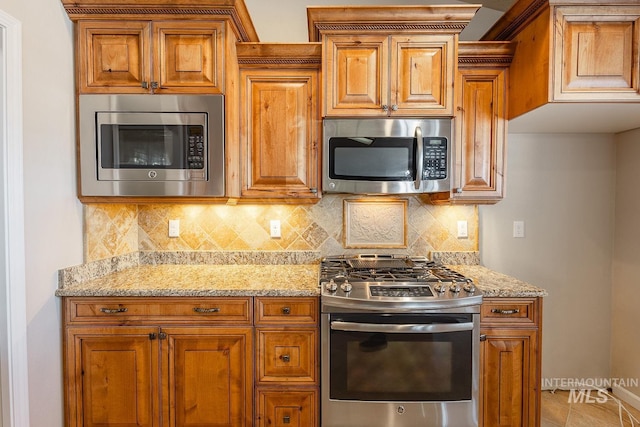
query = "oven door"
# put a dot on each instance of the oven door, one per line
(400, 369)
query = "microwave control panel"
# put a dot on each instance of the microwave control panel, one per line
(435, 158)
(195, 138)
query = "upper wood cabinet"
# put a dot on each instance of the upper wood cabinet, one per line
(480, 124)
(146, 57)
(578, 51)
(159, 46)
(389, 75)
(279, 121)
(388, 60)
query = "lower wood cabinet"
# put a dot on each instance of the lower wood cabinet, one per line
(173, 362)
(510, 362)
(287, 362)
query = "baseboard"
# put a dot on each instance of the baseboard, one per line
(624, 394)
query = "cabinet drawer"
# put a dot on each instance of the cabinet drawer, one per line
(286, 355)
(286, 310)
(282, 408)
(515, 311)
(235, 311)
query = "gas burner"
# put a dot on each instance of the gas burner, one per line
(393, 280)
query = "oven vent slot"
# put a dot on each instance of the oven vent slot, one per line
(380, 263)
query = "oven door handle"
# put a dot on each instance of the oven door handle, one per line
(433, 328)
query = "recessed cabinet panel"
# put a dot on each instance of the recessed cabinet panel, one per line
(357, 74)
(111, 372)
(598, 55)
(113, 55)
(189, 56)
(281, 127)
(209, 376)
(421, 73)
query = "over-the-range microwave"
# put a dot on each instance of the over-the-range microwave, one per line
(387, 156)
(151, 145)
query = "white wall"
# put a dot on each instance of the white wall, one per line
(562, 186)
(53, 220)
(625, 334)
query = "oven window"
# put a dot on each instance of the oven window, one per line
(146, 146)
(388, 159)
(376, 366)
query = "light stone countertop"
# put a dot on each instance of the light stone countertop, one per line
(258, 274)
(202, 280)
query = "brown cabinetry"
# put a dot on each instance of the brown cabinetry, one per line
(154, 367)
(151, 57)
(481, 125)
(578, 51)
(279, 121)
(388, 60)
(287, 361)
(510, 362)
(381, 75)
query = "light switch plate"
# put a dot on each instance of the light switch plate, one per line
(518, 229)
(463, 233)
(274, 227)
(174, 228)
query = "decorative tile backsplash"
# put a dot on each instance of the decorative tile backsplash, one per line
(117, 229)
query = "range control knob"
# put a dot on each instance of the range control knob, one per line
(332, 286)
(455, 287)
(346, 286)
(469, 286)
(440, 287)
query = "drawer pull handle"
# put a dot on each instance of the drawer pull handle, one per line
(285, 358)
(286, 310)
(113, 310)
(502, 311)
(286, 419)
(206, 310)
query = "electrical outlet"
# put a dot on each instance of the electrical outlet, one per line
(463, 233)
(518, 229)
(274, 227)
(174, 228)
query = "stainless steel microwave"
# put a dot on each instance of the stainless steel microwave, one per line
(387, 156)
(152, 145)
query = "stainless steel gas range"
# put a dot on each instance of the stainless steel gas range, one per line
(400, 343)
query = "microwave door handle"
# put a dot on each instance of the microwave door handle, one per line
(428, 328)
(420, 158)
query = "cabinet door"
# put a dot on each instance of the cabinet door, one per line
(422, 73)
(188, 57)
(596, 53)
(281, 125)
(277, 408)
(356, 75)
(209, 380)
(481, 135)
(113, 56)
(508, 378)
(111, 377)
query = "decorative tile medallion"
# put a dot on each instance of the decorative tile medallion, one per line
(372, 223)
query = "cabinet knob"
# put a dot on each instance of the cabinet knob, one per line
(154, 85)
(394, 107)
(286, 419)
(286, 310)
(285, 358)
(145, 85)
(385, 107)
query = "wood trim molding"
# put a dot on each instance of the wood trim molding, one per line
(239, 16)
(515, 19)
(336, 19)
(487, 53)
(283, 54)
(14, 354)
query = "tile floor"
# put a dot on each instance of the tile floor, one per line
(593, 411)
